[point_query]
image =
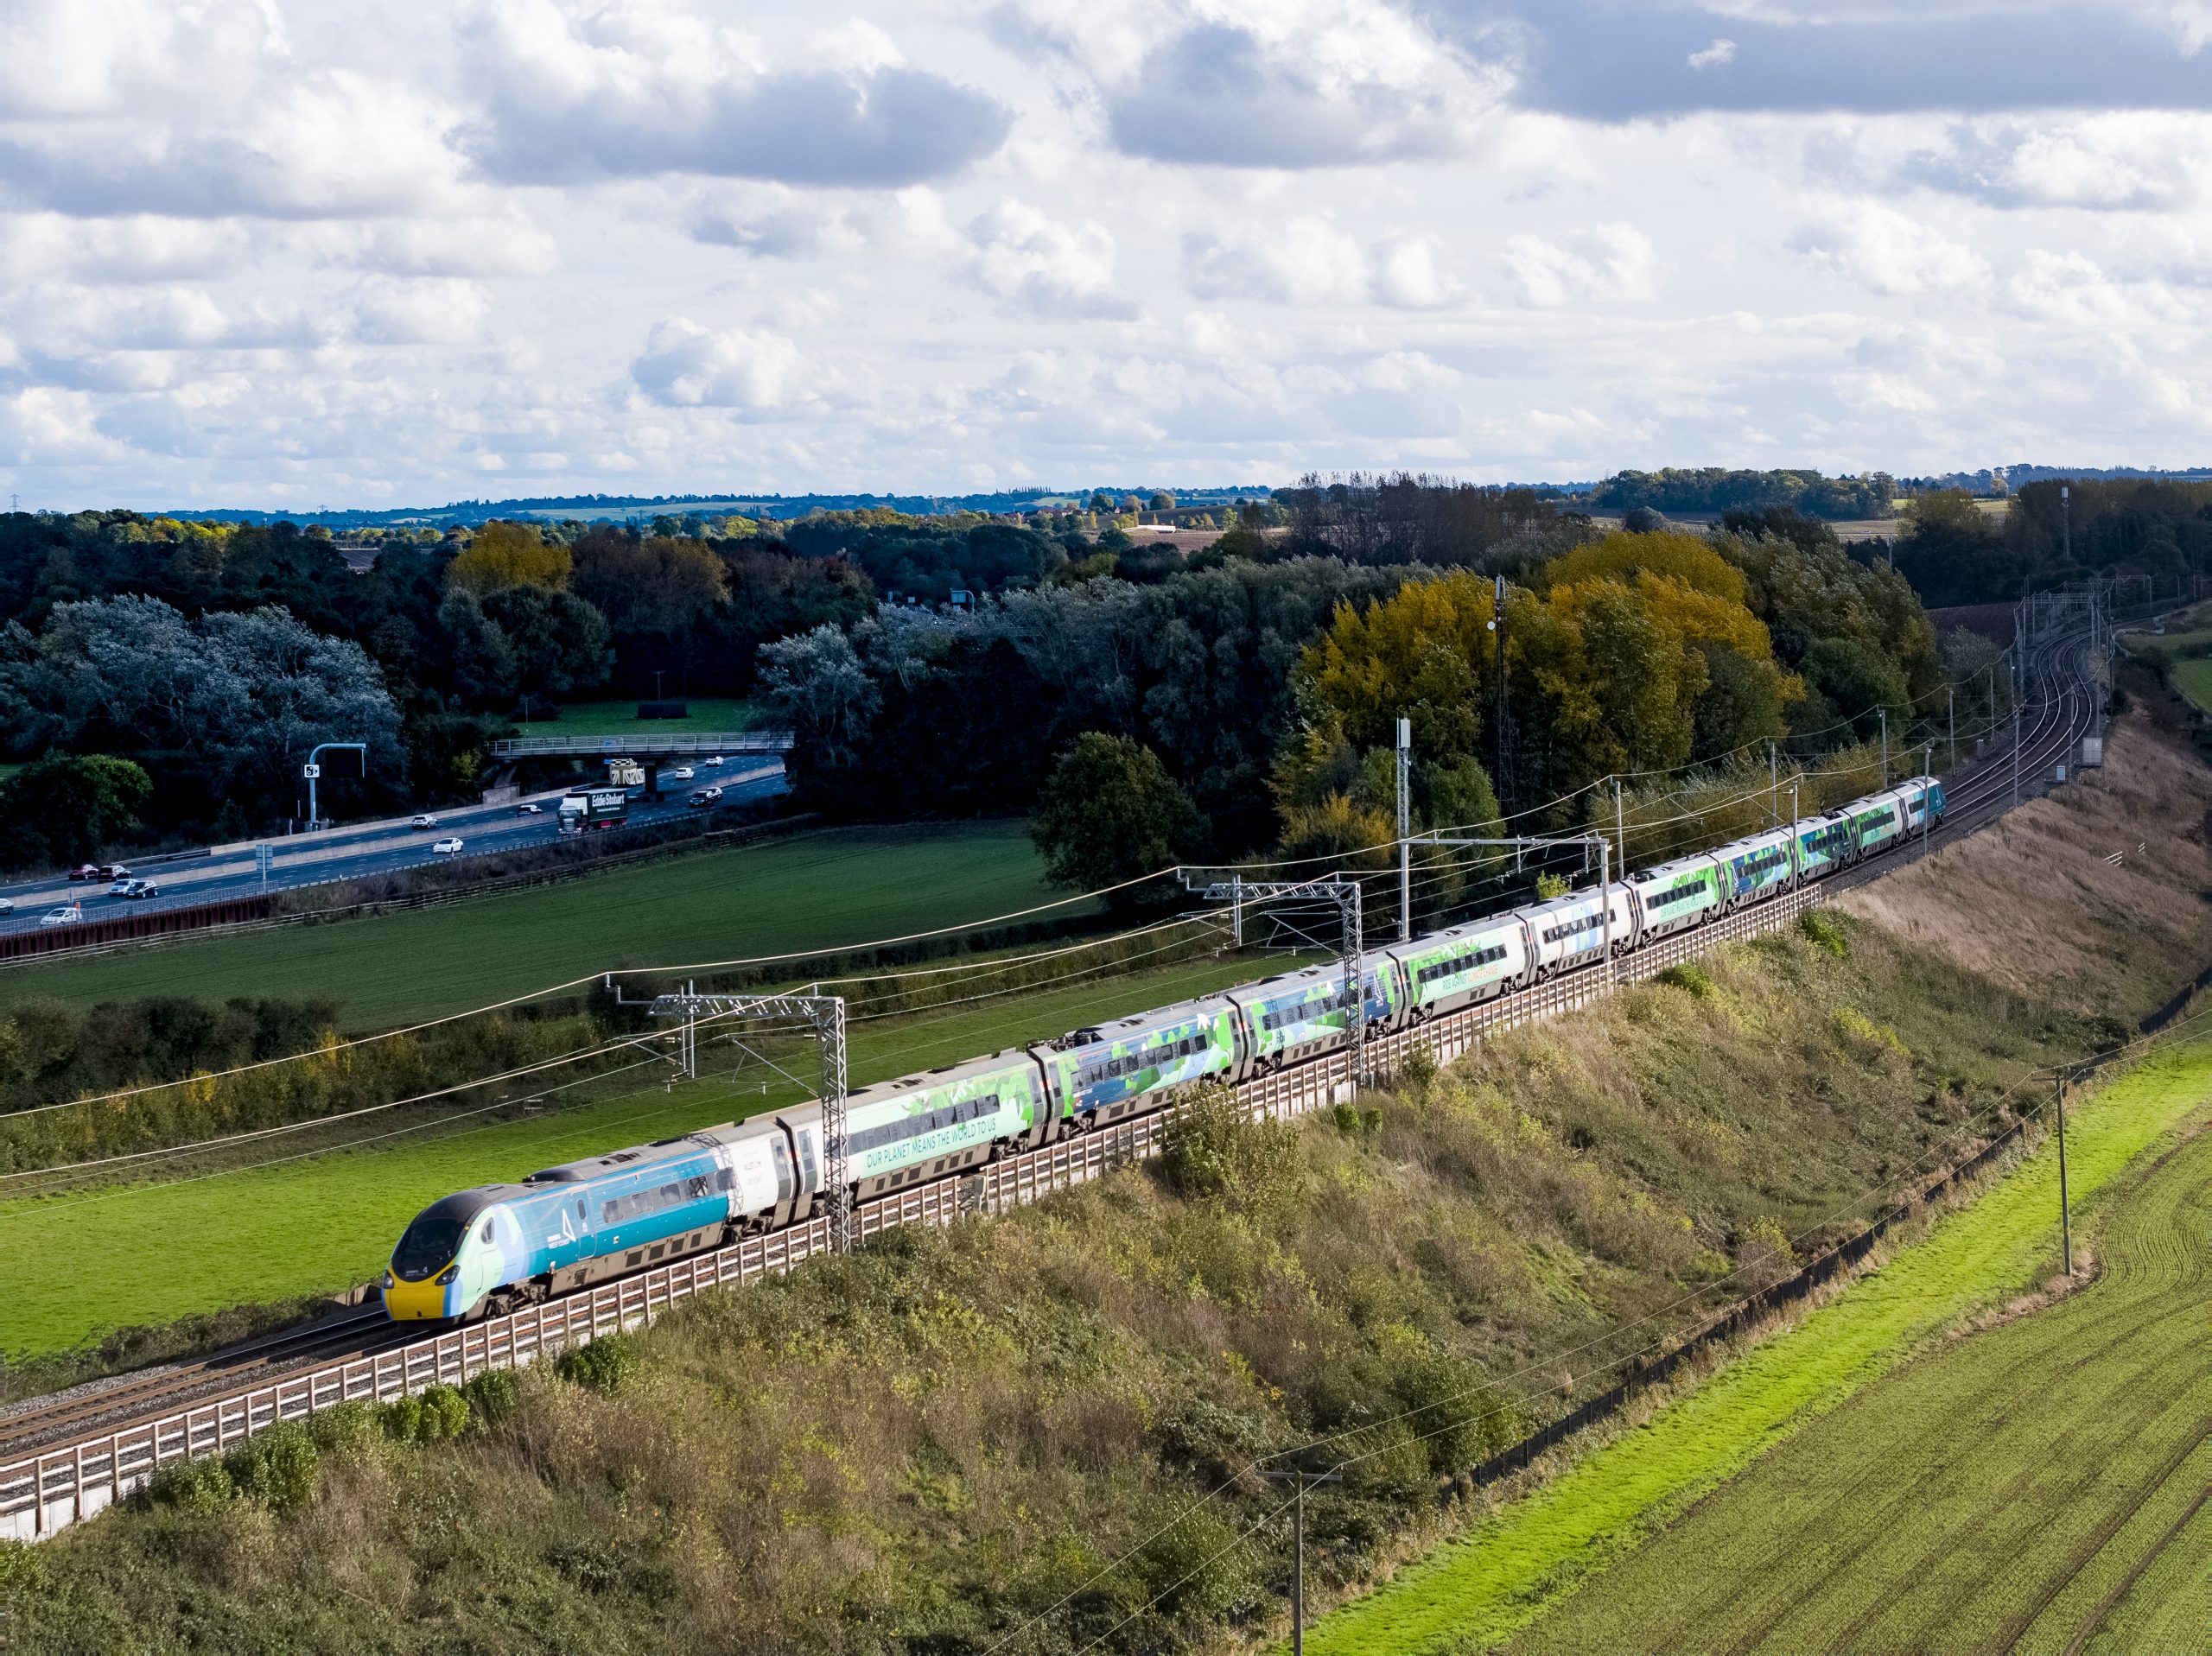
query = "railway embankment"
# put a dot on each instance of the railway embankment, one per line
(1040, 1432)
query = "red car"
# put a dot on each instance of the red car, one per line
(86, 871)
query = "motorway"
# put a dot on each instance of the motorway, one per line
(362, 850)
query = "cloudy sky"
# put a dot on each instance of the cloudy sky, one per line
(261, 252)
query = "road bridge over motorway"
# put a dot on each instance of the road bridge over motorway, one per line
(642, 745)
(653, 751)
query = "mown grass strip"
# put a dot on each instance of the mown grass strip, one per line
(1475, 1593)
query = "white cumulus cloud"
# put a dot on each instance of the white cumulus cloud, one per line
(1046, 265)
(685, 364)
(1610, 264)
(1885, 252)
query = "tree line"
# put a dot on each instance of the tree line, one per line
(2153, 531)
(1251, 704)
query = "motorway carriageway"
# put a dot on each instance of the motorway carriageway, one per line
(354, 853)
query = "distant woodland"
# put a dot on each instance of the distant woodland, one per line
(165, 676)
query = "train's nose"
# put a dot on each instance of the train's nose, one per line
(417, 1302)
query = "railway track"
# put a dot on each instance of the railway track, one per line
(31, 1425)
(360, 1353)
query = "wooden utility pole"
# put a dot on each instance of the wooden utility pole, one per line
(1300, 1478)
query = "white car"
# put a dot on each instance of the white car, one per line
(422, 821)
(68, 917)
(446, 847)
(682, 773)
(527, 809)
(716, 762)
(7, 905)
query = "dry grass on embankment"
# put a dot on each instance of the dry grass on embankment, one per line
(2030, 904)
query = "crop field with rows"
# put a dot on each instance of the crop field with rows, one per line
(1921, 1498)
(2040, 1486)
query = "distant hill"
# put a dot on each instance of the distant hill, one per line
(623, 508)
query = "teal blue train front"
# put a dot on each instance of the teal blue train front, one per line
(466, 1246)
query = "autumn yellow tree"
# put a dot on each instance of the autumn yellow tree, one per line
(1634, 652)
(502, 554)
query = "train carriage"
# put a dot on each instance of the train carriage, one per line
(1572, 931)
(1290, 1019)
(1098, 1075)
(902, 1132)
(1877, 822)
(1457, 967)
(1824, 843)
(1756, 868)
(1675, 895)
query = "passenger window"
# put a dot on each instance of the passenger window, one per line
(487, 1230)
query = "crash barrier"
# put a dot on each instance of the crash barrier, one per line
(130, 926)
(91, 937)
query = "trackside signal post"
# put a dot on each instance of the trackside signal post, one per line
(825, 1015)
(2065, 1213)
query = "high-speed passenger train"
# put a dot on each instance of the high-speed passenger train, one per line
(501, 1246)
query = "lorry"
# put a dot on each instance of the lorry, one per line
(595, 807)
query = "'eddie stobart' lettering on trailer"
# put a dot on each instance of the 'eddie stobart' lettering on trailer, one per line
(501, 1246)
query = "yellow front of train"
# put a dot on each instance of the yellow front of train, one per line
(429, 1279)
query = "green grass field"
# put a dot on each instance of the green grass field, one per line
(710, 714)
(819, 891)
(1477, 1593)
(2193, 680)
(2011, 1491)
(73, 1266)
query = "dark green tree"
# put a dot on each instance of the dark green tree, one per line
(1110, 813)
(560, 642)
(63, 807)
